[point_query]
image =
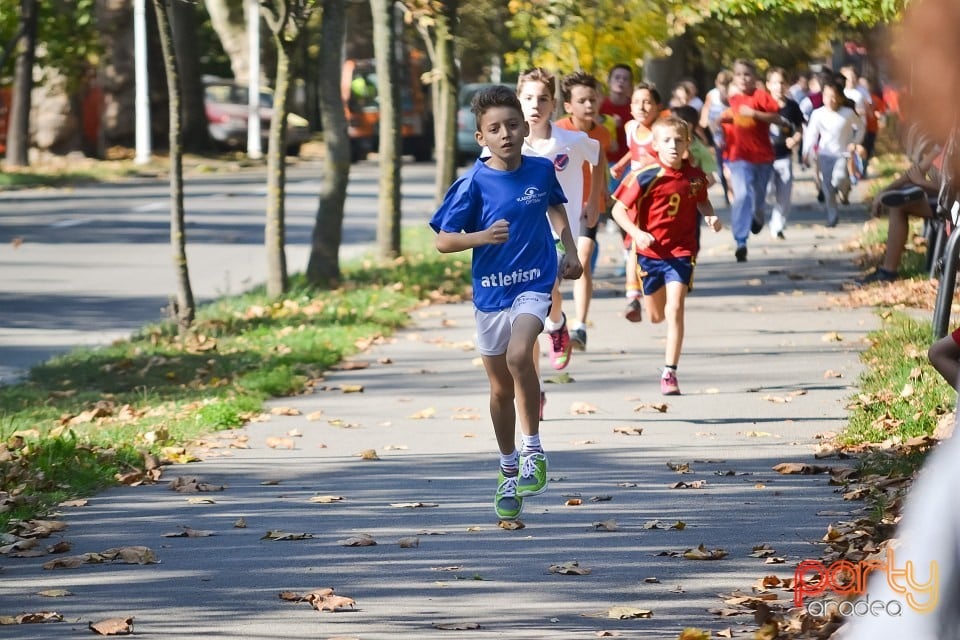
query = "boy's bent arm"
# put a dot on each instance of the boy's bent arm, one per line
(709, 215)
(450, 242)
(620, 216)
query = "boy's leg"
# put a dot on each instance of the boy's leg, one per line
(533, 462)
(506, 504)
(781, 183)
(583, 292)
(898, 227)
(676, 295)
(741, 211)
(502, 394)
(827, 164)
(759, 179)
(557, 331)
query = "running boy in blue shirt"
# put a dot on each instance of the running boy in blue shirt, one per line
(500, 209)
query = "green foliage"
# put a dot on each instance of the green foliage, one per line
(901, 395)
(69, 40)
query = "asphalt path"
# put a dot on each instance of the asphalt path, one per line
(90, 264)
(769, 365)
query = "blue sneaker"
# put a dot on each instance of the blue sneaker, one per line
(533, 474)
(506, 503)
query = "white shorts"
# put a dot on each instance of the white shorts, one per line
(495, 327)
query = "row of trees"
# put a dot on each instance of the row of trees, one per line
(310, 34)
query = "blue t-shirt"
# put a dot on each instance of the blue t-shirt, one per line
(527, 261)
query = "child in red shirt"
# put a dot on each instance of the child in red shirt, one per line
(659, 207)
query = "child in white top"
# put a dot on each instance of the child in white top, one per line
(832, 134)
(568, 150)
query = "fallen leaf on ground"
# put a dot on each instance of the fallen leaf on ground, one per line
(693, 484)
(113, 626)
(277, 534)
(606, 525)
(280, 443)
(429, 412)
(573, 502)
(54, 593)
(622, 612)
(801, 468)
(456, 626)
(315, 415)
(659, 407)
(413, 505)
(351, 388)
(285, 411)
(511, 525)
(570, 568)
(368, 454)
(694, 634)
(582, 408)
(359, 540)
(702, 553)
(679, 467)
(830, 373)
(629, 431)
(326, 499)
(187, 532)
(409, 542)
(32, 618)
(193, 485)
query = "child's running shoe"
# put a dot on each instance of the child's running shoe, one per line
(506, 503)
(578, 339)
(669, 386)
(560, 346)
(634, 312)
(533, 474)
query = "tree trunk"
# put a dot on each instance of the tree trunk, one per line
(183, 305)
(18, 132)
(184, 25)
(275, 230)
(323, 269)
(445, 113)
(384, 47)
(227, 19)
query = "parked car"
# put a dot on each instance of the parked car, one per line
(226, 106)
(467, 148)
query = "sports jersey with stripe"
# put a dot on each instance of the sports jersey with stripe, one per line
(663, 202)
(527, 261)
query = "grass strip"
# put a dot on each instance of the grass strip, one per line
(81, 419)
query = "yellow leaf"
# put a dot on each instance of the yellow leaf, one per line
(429, 412)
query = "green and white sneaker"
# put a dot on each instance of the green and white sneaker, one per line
(533, 474)
(506, 503)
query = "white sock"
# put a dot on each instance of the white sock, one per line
(531, 443)
(510, 462)
(550, 325)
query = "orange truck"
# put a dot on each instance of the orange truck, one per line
(358, 87)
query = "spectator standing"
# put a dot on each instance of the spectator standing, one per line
(749, 152)
(500, 210)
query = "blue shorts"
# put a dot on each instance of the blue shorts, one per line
(655, 273)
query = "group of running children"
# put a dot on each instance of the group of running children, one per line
(529, 208)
